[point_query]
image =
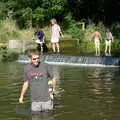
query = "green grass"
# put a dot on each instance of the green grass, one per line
(68, 44)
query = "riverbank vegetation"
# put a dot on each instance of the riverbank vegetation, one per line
(77, 18)
(75, 41)
(8, 56)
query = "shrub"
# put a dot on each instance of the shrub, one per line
(84, 36)
(74, 29)
(8, 55)
(116, 47)
(8, 30)
(116, 30)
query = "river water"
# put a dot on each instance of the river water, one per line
(83, 93)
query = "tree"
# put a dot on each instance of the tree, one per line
(27, 16)
(38, 16)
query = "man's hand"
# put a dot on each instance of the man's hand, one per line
(21, 100)
(24, 89)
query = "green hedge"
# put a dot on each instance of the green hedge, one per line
(6, 55)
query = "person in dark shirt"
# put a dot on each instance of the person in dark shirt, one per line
(41, 41)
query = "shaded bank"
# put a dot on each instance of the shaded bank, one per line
(69, 47)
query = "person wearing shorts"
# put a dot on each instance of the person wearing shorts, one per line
(36, 75)
(108, 41)
(97, 43)
(97, 37)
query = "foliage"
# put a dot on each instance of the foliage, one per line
(101, 28)
(3, 46)
(73, 28)
(88, 32)
(8, 55)
(26, 34)
(27, 16)
(3, 9)
(92, 28)
(8, 29)
(25, 11)
(84, 35)
(38, 16)
(116, 30)
(116, 47)
(53, 8)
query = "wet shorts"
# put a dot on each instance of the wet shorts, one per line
(108, 42)
(42, 106)
(97, 42)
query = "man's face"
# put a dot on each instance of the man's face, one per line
(35, 59)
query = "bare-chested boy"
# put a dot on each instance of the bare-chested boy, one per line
(97, 37)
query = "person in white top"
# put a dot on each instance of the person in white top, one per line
(108, 41)
(56, 33)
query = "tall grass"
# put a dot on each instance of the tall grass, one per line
(9, 30)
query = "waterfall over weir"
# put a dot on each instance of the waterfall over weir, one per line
(58, 59)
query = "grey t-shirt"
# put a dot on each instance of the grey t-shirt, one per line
(38, 79)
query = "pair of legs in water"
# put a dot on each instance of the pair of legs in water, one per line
(108, 47)
(42, 110)
(55, 46)
(97, 47)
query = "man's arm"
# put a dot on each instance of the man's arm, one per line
(54, 75)
(24, 89)
(100, 36)
(54, 79)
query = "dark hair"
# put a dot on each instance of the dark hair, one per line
(33, 52)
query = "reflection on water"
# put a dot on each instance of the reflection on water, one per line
(43, 116)
(101, 84)
(82, 94)
(102, 81)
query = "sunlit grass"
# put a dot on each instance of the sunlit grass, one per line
(10, 31)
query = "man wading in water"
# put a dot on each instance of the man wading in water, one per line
(36, 76)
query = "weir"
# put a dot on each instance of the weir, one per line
(59, 59)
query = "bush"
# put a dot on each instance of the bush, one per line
(73, 28)
(116, 47)
(84, 36)
(9, 30)
(8, 55)
(116, 30)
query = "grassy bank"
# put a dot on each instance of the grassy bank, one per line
(8, 56)
(75, 42)
(68, 47)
